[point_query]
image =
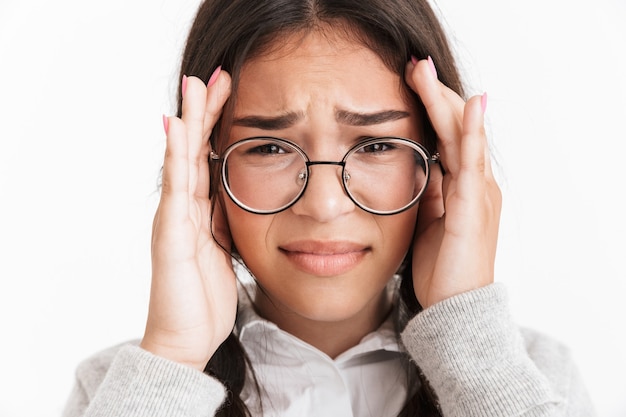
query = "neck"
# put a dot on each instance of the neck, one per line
(331, 336)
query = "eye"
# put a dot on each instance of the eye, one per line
(377, 147)
(268, 148)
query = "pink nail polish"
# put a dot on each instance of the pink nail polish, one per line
(183, 88)
(166, 124)
(431, 64)
(413, 60)
(483, 102)
(214, 76)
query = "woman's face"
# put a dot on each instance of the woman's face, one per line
(323, 259)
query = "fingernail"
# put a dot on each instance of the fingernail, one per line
(214, 76)
(431, 64)
(483, 102)
(166, 123)
(413, 60)
(183, 88)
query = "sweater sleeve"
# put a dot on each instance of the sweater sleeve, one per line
(131, 382)
(480, 364)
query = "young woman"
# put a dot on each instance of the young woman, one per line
(326, 149)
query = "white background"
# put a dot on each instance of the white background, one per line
(83, 85)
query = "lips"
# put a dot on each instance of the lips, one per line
(324, 259)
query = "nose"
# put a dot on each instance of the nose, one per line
(324, 198)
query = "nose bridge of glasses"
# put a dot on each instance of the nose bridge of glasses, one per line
(322, 183)
(324, 195)
(339, 163)
(309, 164)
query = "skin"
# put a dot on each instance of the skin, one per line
(330, 301)
(313, 289)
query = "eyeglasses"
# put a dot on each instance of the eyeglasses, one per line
(383, 175)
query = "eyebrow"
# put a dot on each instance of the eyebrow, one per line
(346, 117)
(269, 122)
(368, 119)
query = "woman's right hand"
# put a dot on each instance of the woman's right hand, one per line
(193, 297)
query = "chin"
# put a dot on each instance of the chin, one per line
(331, 303)
(329, 311)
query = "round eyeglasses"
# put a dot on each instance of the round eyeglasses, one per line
(383, 175)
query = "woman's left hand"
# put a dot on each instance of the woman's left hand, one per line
(459, 214)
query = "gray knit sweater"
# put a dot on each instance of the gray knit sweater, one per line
(477, 361)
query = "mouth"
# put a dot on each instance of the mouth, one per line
(324, 259)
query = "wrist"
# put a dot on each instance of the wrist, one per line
(176, 354)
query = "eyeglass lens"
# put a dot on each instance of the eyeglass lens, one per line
(382, 175)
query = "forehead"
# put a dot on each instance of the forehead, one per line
(317, 67)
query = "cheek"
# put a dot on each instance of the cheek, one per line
(248, 231)
(399, 230)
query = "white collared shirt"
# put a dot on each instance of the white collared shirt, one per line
(297, 379)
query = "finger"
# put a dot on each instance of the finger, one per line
(175, 164)
(193, 109)
(444, 108)
(478, 177)
(217, 94)
(218, 91)
(487, 153)
(474, 141)
(175, 180)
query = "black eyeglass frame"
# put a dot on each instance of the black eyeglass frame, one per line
(430, 159)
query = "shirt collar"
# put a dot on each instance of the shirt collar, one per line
(251, 326)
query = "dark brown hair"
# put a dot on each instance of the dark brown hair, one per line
(227, 33)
